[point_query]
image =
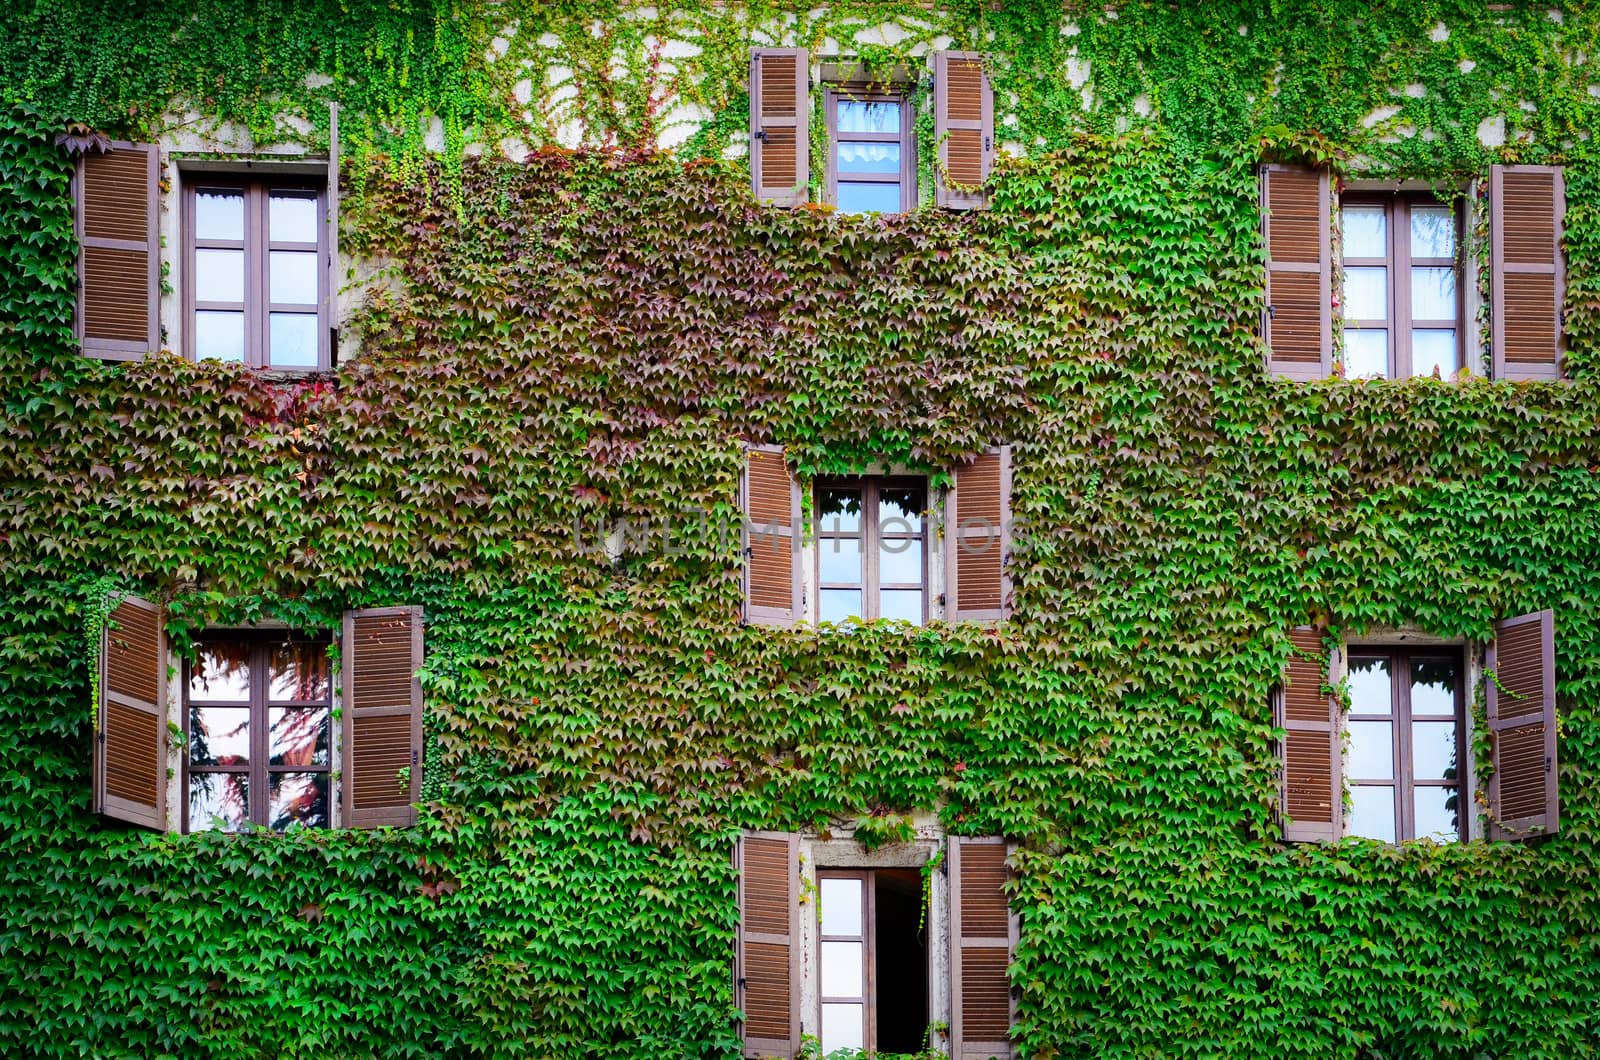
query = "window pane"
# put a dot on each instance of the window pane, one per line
(1372, 813)
(1437, 814)
(836, 605)
(291, 218)
(900, 560)
(297, 736)
(840, 906)
(292, 277)
(292, 339)
(1433, 294)
(218, 800)
(843, 1027)
(859, 116)
(299, 672)
(1433, 750)
(838, 508)
(903, 604)
(220, 671)
(219, 736)
(1370, 686)
(298, 798)
(219, 215)
(839, 559)
(1434, 348)
(900, 508)
(1433, 687)
(219, 275)
(1366, 232)
(1366, 353)
(1371, 750)
(1433, 232)
(869, 198)
(869, 158)
(842, 974)
(1366, 293)
(218, 335)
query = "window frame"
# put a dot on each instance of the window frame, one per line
(1398, 263)
(869, 955)
(257, 192)
(876, 92)
(871, 536)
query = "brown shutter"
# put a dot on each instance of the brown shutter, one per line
(1299, 324)
(780, 109)
(1529, 205)
(382, 709)
(767, 968)
(119, 255)
(977, 539)
(983, 938)
(771, 505)
(130, 768)
(963, 127)
(333, 235)
(1311, 796)
(1521, 701)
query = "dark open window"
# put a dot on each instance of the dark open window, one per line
(871, 548)
(1405, 744)
(257, 720)
(255, 273)
(1401, 296)
(874, 960)
(872, 159)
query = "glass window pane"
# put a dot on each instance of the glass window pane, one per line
(840, 906)
(869, 198)
(292, 340)
(1433, 232)
(842, 974)
(902, 604)
(1433, 750)
(900, 508)
(291, 218)
(838, 509)
(876, 117)
(219, 800)
(219, 736)
(869, 158)
(1434, 349)
(298, 798)
(1371, 750)
(1372, 812)
(1366, 353)
(900, 561)
(839, 559)
(299, 672)
(1433, 294)
(836, 605)
(219, 275)
(1437, 812)
(219, 215)
(297, 736)
(843, 1027)
(1433, 687)
(1370, 688)
(1366, 293)
(292, 277)
(1366, 232)
(218, 335)
(220, 671)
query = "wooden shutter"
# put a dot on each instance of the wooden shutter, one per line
(1521, 701)
(130, 767)
(780, 110)
(382, 711)
(1311, 796)
(119, 251)
(1294, 219)
(771, 505)
(1528, 288)
(767, 969)
(977, 539)
(983, 938)
(334, 279)
(963, 127)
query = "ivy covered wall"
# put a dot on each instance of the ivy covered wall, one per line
(590, 334)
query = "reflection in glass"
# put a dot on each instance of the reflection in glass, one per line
(1433, 232)
(297, 736)
(298, 798)
(1366, 353)
(900, 561)
(839, 559)
(291, 218)
(1371, 750)
(1366, 232)
(869, 158)
(838, 509)
(299, 672)
(1372, 813)
(1370, 686)
(1433, 294)
(219, 215)
(902, 604)
(869, 198)
(219, 276)
(292, 340)
(840, 906)
(1434, 350)
(842, 974)
(219, 736)
(843, 1027)
(1433, 750)
(1436, 811)
(900, 508)
(292, 277)
(1366, 293)
(836, 605)
(218, 336)
(857, 116)
(220, 671)
(218, 800)
(1433, 687)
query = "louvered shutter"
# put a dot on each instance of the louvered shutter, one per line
(978, 539)
(983, 938)
(771, 504)
(1527, 292)
(1521, 702)
(767, 969)
(1311, 792)
(1299, 323)
(130, 769)
(780, 109)
(382, 711)
(334, 267)
(119, 255)
(963, 127)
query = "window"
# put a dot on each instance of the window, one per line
(1404, 733)
(872, 163)
(874, 960)
(1401, 297)
(871, 549)
(258, 721)
(255, 278)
